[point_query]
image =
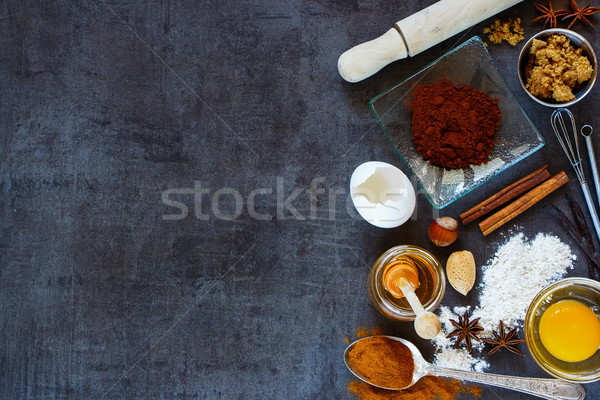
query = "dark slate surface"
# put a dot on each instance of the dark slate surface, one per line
(248, 286)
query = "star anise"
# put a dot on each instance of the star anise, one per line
(548, 14)
(503, 339)
(465, 330)
(580, 13)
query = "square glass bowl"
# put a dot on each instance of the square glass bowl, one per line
(468, 64)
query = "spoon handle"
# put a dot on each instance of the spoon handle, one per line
(411, 297)
(552, 389)
(592, 157)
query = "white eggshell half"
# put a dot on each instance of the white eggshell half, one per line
(382, 194)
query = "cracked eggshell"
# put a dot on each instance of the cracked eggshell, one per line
(382, 194)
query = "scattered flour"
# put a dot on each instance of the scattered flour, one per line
(518, 271)
(510, 281)
(460, 359)
(447, 355)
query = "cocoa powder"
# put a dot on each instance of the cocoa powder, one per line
(453, 126)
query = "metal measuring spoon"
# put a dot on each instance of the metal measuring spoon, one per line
(586, 132)
(553, 389)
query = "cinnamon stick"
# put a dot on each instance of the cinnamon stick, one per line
(505, 195)
(523, 203)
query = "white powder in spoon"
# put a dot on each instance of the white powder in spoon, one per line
(510, 281)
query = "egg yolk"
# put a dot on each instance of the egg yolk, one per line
(570, 331)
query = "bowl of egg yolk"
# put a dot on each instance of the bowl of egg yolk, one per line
(562, 329)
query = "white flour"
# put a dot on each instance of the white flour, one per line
(447, 355)
(510, 281)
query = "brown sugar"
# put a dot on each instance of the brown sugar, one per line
(510, 31)
(555, 68)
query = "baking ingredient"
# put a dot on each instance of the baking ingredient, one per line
(570, 331)
(549, 15)
(503, 339)
(510, 31)
(460, 358)
(364, 331)
(396, 281)
(382, 361)
(429, 277)
(460, 269)
(576, 13)
(427, 388)
(443, 231)
(519, 269)
(400, 267)
(581, 13)
(555, 68)
(465, 330)
(382, 194)
(580, 234)
(585, 241)
(453, 126)
(508, 193)
(511, 278)
(523, 203)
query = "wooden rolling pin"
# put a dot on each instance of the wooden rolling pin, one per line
(416, 33)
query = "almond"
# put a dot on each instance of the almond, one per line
(460, 269)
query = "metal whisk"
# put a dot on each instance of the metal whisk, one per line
(568, 141)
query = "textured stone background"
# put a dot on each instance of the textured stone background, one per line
(109, 292)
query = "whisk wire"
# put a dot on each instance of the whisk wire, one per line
(571, 148)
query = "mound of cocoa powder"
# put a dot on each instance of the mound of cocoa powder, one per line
(453, 126)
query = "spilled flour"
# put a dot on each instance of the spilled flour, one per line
(510, 280)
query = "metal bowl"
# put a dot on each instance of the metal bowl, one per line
(577, 41)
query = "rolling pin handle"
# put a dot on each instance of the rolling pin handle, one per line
(367, 58)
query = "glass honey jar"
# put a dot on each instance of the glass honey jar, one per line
(431, 282)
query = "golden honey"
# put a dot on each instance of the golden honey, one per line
(431, 282)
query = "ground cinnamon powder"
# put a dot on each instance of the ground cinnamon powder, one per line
(382, 361)
(427, 388)
(454, 126)
(364, 331)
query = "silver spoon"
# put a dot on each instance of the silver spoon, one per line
(552, 389)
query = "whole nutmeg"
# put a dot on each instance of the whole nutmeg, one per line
(443, 231)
